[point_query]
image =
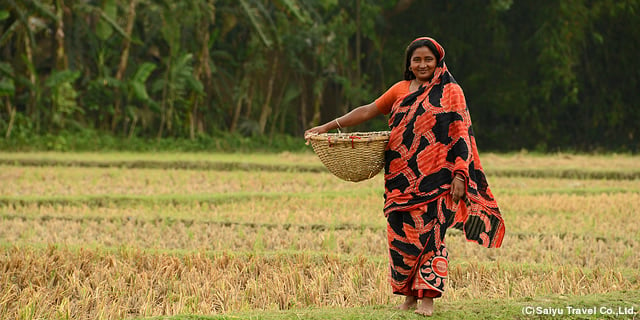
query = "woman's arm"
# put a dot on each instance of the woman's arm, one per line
(354, 117)
(460, 145)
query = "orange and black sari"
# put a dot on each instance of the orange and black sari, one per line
(432, 140)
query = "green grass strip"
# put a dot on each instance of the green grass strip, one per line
(123, 250)
(612, 305)
(172, 199)
(100, 200)
(565, 173)
(275, 164)
(170, 164)
(189, 222)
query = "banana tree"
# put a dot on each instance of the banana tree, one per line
(61, 95)
(105, 27)
(137, 94)
(26, 19)
(178, 85)
(271, 21)
(175, 87)
(7, 91)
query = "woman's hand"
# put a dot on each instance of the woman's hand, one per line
(457, 188)
(315, 130)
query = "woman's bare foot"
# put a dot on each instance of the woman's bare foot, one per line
(410, 302)
(425, 307)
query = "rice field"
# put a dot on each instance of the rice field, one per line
(134, 236)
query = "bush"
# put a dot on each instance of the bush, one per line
(90, 140)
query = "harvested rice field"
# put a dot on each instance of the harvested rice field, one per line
(185, 236)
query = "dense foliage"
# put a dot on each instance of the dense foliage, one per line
(538, 75)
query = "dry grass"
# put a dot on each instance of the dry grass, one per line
(75, 181)
(111, 243)
(93, 284)
(573, 249)
(598, 214)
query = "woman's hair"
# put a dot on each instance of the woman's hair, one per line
(418, 43)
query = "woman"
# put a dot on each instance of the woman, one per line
(431, 163)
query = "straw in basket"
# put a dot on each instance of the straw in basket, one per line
(354, 156)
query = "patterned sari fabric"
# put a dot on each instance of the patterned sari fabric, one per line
(432, 140)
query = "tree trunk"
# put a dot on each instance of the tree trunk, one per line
(203, 66)
(12, 116)
(132, 128)
(236, 114)
(277, 107)
(163, 104)
(61, 58)
(317, 114)
(303, 104)
(266, 108)
(124, 59)
(192, 118)
(31, 107)
(358, 43)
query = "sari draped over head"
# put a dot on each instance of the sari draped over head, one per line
(432, 140)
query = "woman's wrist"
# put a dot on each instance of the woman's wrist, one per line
(338, 126)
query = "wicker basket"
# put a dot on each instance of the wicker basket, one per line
(354, 156)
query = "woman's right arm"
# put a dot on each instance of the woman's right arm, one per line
(353, 118)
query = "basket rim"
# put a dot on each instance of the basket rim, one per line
(350, 136)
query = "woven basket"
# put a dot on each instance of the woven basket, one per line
(354, 156)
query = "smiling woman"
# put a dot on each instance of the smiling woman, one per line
(431, 163)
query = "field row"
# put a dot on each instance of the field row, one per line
(570, 249)
(569, 173)
(597, 215)
(85, 283)
(22, 181)
(491, 161)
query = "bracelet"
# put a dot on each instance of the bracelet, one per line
(338, 123)
(461, 179)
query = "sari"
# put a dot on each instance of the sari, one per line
(431, 141)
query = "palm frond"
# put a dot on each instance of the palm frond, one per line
(254, 17)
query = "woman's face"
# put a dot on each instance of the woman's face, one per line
(423, 64)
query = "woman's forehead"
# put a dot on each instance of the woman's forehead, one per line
(423, 51)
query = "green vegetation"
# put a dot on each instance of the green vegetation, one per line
(95, 141)
(463, 310)
(207, 74)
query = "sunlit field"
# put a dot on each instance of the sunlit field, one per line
(121, 236)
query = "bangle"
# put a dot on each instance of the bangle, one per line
(461, 179)
(338, 123)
